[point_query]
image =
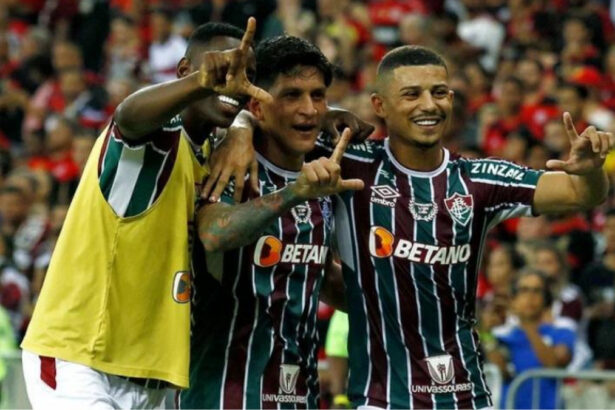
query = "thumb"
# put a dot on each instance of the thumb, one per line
(557, 165)
(351, 184)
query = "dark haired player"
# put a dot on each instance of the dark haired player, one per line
(411, 243)
(111, 327)
(254, 337)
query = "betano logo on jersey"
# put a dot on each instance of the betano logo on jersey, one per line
(270, 251)
(382, 245)
(182, 287)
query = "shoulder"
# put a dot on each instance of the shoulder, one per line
(564, 325)
(367, 151)
(504, 332)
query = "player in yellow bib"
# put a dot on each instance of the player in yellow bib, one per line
(111, 327)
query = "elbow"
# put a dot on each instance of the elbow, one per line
(210, 242)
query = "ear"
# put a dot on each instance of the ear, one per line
(183, 67)
(378, 104)
(256, 108)
(451, 95)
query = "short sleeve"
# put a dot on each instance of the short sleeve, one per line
(509, 187)
(566, 337)
(337, 335)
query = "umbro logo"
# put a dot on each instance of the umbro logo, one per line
(384, 195)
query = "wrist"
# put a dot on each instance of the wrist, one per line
(294, 195)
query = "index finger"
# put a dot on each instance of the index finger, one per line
(338, 153)
(248, 36)
(569, 126)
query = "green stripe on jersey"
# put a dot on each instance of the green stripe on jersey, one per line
(111, 157)
(430, 326)
(386, 285)
(458, 279)
(145, 188)
(262, 334)
(150, 165)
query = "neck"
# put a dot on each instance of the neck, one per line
(275, 153)
(416, 157)
(197, 130)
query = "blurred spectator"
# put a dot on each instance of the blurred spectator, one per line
(290, 18)
(531, 343)
(572, 98)
(166, 49)
(336, 348)
(483, 31)
(124, 50)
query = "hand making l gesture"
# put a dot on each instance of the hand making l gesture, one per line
(587, 151)
(322, 177)
(225, 71)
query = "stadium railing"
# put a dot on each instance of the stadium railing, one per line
(559, 375)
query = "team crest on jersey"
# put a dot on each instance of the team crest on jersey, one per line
(460, 207)
(441, 368)
(302, 213)
(423, 211)
(384, 195)
(182, 287)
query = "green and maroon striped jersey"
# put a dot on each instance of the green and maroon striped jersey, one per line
(132, 175)
(411, 243)
(254, 336)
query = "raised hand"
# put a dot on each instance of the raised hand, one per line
(225, 71)
(321, 177)
(336, 119)
(587, 151)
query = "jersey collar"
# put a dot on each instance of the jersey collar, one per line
(413, 172)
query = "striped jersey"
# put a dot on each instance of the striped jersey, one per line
(254, 336)
(411, 244)
(132, 175)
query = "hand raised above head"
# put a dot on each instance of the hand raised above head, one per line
(225, 71)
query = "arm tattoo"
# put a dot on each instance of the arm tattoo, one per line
(223, 226)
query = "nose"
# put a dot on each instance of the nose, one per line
(426, 101)
(307, 106)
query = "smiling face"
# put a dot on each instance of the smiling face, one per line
(416, 103)
(293, 119)
(215, 109)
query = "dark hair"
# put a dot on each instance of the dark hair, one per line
(410, 55)
(516, 259)
(281, 54)
(12, 189)
(205, 32)
(547, 296)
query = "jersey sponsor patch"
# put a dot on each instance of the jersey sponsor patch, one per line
(270, 251)
(441, 368)
(289, 374)
(504, 170)
(182, 287)
(460, 207)
(384, 195)
(423, 211)
(382, 244)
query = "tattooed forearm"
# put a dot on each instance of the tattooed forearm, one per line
(223, 226)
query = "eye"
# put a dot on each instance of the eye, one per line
(318, 95)
(441, 92)
(410, 94)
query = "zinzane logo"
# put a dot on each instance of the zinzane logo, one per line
(441, 368)
(460, 207)
(270, 251)
(384, 195)
(182, 287)
(501, 170)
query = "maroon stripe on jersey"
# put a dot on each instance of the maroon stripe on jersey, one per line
(169, 162)
(377, 393)
(103, 151)
(48, 371)
(444, 237)
(278, 301)
(242, 329)
(410, 316)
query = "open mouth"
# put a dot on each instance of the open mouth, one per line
(228, 100)
(304, 127)
(427, 122)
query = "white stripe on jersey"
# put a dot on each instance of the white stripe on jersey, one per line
(125, 180)
(502, 183)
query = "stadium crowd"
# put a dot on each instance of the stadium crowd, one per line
(515, 67)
